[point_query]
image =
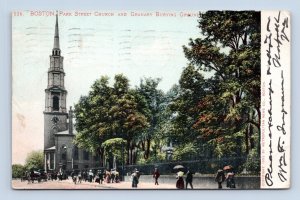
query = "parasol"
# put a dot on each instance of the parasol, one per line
(178, 167)
(227, 167)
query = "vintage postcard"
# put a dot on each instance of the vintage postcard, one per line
(151, 99)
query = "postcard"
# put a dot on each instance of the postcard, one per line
(151, 99)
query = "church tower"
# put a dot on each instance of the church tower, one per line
(55, 113)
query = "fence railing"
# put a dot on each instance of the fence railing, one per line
(201, 166)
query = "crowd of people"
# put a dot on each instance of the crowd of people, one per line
(221, 176)
(99, 176)
(113, 176)
(225, 174)
(188, 180)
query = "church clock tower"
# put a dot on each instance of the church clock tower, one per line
(55, 113)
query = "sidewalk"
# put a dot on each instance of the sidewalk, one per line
(127, 185)
(68, 184)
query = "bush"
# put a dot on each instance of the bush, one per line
(35, 160)
(17, 170)
(252, 164)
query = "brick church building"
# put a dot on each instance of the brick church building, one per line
(59, 149)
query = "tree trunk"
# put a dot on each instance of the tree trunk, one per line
(147, 151)
(128, 152)
(247, 139)
(131, 156)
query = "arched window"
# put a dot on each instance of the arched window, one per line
(63, 152)
(55, 103)
(86, 155)
(76, 154)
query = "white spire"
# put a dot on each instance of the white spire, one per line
(56, 36)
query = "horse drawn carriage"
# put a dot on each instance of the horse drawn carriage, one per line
(35, 175)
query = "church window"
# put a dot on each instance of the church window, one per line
(55, 103)
(51, 161)
(64, 156)
(75, 156)
(63, 152)
(86, 155)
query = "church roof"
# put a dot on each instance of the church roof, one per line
(51, 148)
(66, 132)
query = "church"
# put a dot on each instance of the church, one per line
(59, 132)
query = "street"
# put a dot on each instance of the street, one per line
(68, 184)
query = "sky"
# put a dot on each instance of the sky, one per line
(140, 44)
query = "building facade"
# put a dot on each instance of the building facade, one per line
(60, 153)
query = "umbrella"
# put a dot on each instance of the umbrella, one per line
(178, 167)
(227, 167)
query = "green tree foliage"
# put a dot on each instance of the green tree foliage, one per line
(113, 147)
(35, 160)
(154, 105)
(107, 113)
(184, 109)
(213, 111)
(17, 170)
(229, 48)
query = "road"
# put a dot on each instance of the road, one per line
(68, 184)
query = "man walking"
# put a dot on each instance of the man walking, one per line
(156, 175)
(189, 179)
(220, 178)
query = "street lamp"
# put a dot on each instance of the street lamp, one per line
(169, 153)
(65, 148)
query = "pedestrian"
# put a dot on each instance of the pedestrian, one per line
(74, 176)
(230, 179)
(84, 175)
(100, 177)
(135, 178)
(156, 175)
(220, 178)
(79, 177)
(97, 177)
(180, 181)
(107, 176)
(117, 178)
(91, 175)
(189, 179)
(112, 176)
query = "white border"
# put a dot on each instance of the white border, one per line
(5, 87)
(275, 99)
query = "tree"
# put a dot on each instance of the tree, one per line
(109, 113)
(17, 170)
(35, 160)
(185, 111)
(92, 119)
(229, 47)
(113, 148)
(153, 107)
(126, 119)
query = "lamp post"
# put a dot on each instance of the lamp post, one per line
(170, 153)
(65, 148)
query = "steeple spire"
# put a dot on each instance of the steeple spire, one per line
(56, 49)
